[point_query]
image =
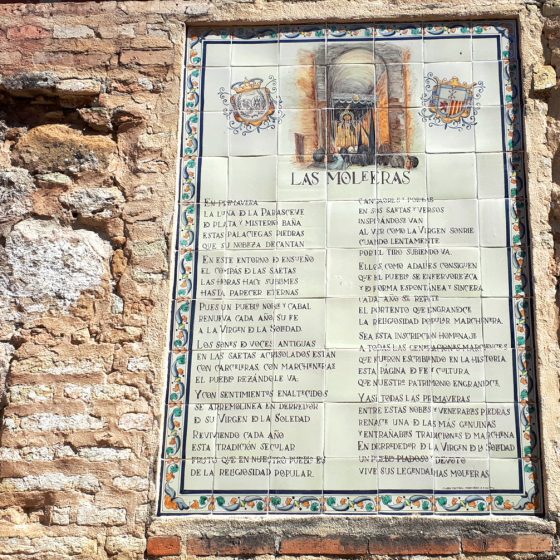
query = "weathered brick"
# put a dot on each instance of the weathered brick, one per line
(253, 545)
(325, 546)
(521, 542)
(406, 545)
(164, 546)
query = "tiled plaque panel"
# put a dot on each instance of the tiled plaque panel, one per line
(351, 328)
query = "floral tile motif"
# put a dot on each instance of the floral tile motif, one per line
(352, 201)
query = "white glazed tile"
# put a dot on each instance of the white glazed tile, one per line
(246, 323)
(451, 176)
(502, 430)
(490, 175)
(504, 474)
(216, 80)
(488, 129)
(499, 371)
(342, 328)
(341, 418)
(301, 225)
(444, 140)
(252, 178)
(351, 474)
(301, 179)
(311, 52)
(251, 227)
(213, 179)
(234, 473)
(248, 274)
(466, 473)
(216, 134)
(200, 431)
(448, 50)
(412, 331)
(359, 218)
(453, 223)
(495, 272)
(203, 387)
(398, 474)
(302, 426)
(456, 272)
(403, 271)
(297, 321)
(466, 436)
(306, 266)
(301, 132)
(296, 474)
(351, 272)
(303, 86)
(199, 475)
(492, 222)
(401, 175)
(486, 48)
(489, 74)
(263, 53)
(349, 374)
(346, 52)
(497, 315)
(465, 317)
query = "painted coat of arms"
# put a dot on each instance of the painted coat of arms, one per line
(451, 103)
(251, 106)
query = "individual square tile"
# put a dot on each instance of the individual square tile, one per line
(462, 432)
(402, 271)
(342, 417)
(215, 140)
(252, 178)
(345, 51)
(245, 470)
(443, 139)
(486, 48)
(456, 272)
(502, 430)
(213, 179)
(491, 176)
(299, 321)
(360, 223)
(217, 50)
(351, 272)
(210, 283)
(260, 52)
(343, 330)
(500, 371)
(301, 225)
(493, 222)
(217, 80)
(247, 324)
(310, 51)
(212, 226)
(303, 87)
(300, 273)
(200, 431)
(404, 324)
(263, 142)
(350, 375)
(489, 129)
(348, 184)
(456, 49)
(251, 227)
(505, 475)
(454, 372)
(297, 381)
(302, 425)
(248, 274)
(465, 315)
(398, 84)
(488, 74)
(301, 132)
(453, 223)
(401, 176)
(402, 222)
(197, 330)
(351, 474)
(497, 316)
(400, 473)
(243, 431)
(467, 473)
(395, 46)
(451, 176)
(302, 474)
(302, 178)
(494, 268)
(203, 384)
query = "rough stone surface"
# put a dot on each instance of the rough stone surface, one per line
(51, 263)
(90, 95)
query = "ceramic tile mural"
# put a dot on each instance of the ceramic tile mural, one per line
(351, 324)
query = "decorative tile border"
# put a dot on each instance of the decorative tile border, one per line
(173, 499)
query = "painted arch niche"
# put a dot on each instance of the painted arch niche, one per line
(357, 104)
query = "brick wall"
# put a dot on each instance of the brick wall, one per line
(89, 103)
